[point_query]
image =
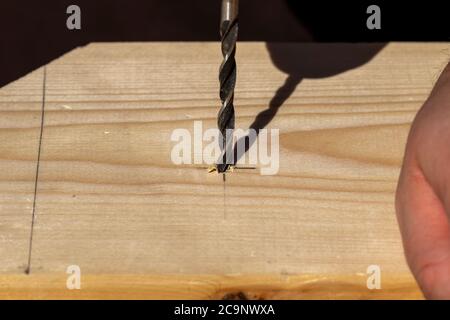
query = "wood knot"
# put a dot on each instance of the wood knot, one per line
(235, 296)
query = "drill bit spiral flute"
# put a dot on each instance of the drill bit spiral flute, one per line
(227, 78)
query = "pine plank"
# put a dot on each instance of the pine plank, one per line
(110, 200)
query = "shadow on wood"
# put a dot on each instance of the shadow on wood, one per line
(306, 62)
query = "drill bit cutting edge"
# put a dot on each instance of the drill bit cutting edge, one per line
(227, 78)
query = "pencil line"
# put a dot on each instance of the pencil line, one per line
(224, 198)
(33, 213)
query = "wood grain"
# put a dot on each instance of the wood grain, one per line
(110, 200)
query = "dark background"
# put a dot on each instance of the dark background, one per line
(33, 33)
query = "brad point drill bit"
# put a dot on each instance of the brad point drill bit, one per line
(227, 78)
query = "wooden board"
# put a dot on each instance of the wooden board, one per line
(110, 200)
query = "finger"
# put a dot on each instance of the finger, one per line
(425, 231)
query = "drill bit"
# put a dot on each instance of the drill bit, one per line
(227, 78)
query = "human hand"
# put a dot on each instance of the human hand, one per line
(423, 193)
